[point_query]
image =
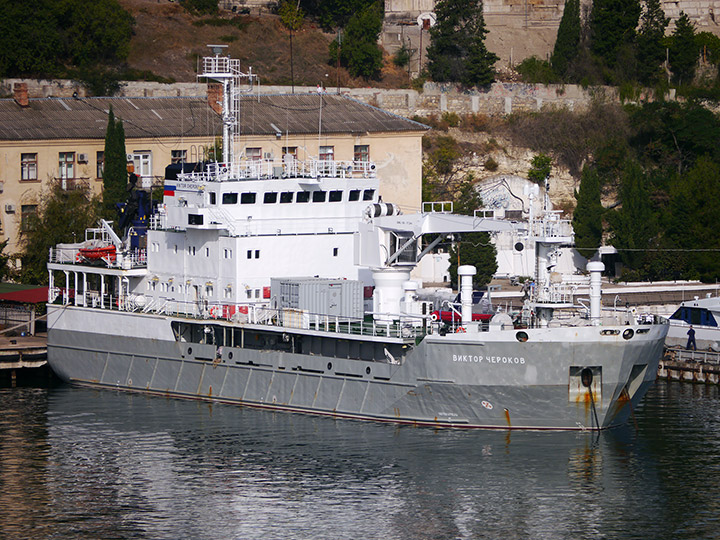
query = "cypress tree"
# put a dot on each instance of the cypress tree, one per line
(457, 51)
(650, 47)
(634, 224)
(115, 169)
(612, 24)
(587, 218)
(568, 38)
(683, 50)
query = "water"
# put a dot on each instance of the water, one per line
(78, 463)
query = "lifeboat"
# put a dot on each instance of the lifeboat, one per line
(97, 253)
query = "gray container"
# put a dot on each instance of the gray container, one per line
(341, 298)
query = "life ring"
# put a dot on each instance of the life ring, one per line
(460, 330)
(214, 312)
(78, 257)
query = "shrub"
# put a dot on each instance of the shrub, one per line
(491, 165)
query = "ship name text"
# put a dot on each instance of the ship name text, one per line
(488, 359)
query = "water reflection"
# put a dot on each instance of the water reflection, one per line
(86, 464)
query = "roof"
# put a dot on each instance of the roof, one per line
(86, 118)
(28, 295)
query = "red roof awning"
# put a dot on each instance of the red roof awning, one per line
(38, 295)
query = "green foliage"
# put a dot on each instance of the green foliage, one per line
(536, 71)
(612, 25)
(4, 260)
(693, 218)
(587, 218)
(332, 14)
(62, 218)
(457, 51)
(634, 226)
(472, 248)
(568, 38)
(291, 15)
(650, 43)
(200, 7)
(709, 46)
(491, 165)
(683, 50)
(401, 58)
(115, 176)
(239, 22)
(540, 168)
(359, 51)
(45, 37)
(675, 135)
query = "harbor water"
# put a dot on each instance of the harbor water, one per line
(78, 463)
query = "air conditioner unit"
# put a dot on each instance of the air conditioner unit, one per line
(82, 158)
(129, 157)
(9, 208)
(268, 155)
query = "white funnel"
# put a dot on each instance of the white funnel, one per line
(466, 273)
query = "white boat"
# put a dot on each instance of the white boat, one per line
(286, 285)
(703, 315)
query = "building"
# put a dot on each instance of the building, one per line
(47, 140)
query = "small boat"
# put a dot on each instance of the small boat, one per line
(98, 252)
(703, 315)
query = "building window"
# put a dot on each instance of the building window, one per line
(28, 167)
(249, 253)
(257, 253)
(254, 154)
(209, 290)
(362, 152)
(228, 253)
(213, 197)
(142, 166)
(100, 169)
(28, 217)
(327, 153)
(290, 151)
(66, 165)
(191, 250)
(178, 156)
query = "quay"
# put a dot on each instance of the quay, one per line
(679, 364)
(23, 357)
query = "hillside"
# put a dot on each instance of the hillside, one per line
(167, 41)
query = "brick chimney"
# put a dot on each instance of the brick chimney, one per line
(20, 93)
(215, 96)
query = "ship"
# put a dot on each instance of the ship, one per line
(287, 285)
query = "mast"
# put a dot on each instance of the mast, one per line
(226, 70)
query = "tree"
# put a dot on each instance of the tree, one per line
(612, 25)
(334, 13)
(540, 168)
(200, 7)
(4, 260)
(474, 249)
(568, 38)
(650, 46)
(62, 218)
(457, 51)
(360, 52)
(115, 174)
(683, 50)
(292, 18)
(587, 218)
(634, 226)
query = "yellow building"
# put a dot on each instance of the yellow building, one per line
(62, 140)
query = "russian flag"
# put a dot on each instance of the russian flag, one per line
(169, 190)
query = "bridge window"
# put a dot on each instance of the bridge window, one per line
(286, 197)
(230, 198)
(247, 198)
(335, 196)
(270, 197)
(319, 196)
(354, 195)
(302, 196)
(369, 195)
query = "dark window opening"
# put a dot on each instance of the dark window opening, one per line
(286, 197)
(368, 195)
(247, 198)
(302, 196)
(270, 197)
(319, 196)
(335, 196)
(229, 198)
(354, 195)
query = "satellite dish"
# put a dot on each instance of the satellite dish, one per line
(426, 20)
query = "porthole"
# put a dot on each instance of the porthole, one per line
(367, 370)
(189, 350)
(230, 355)
(522, 337)
(329, 366)
(628, 333)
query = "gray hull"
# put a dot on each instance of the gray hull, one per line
(482, 380)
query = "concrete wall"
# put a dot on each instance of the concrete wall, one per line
(436, 98)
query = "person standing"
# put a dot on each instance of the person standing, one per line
(691, 339)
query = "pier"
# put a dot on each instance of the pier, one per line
(23, 357)
(679, 364)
